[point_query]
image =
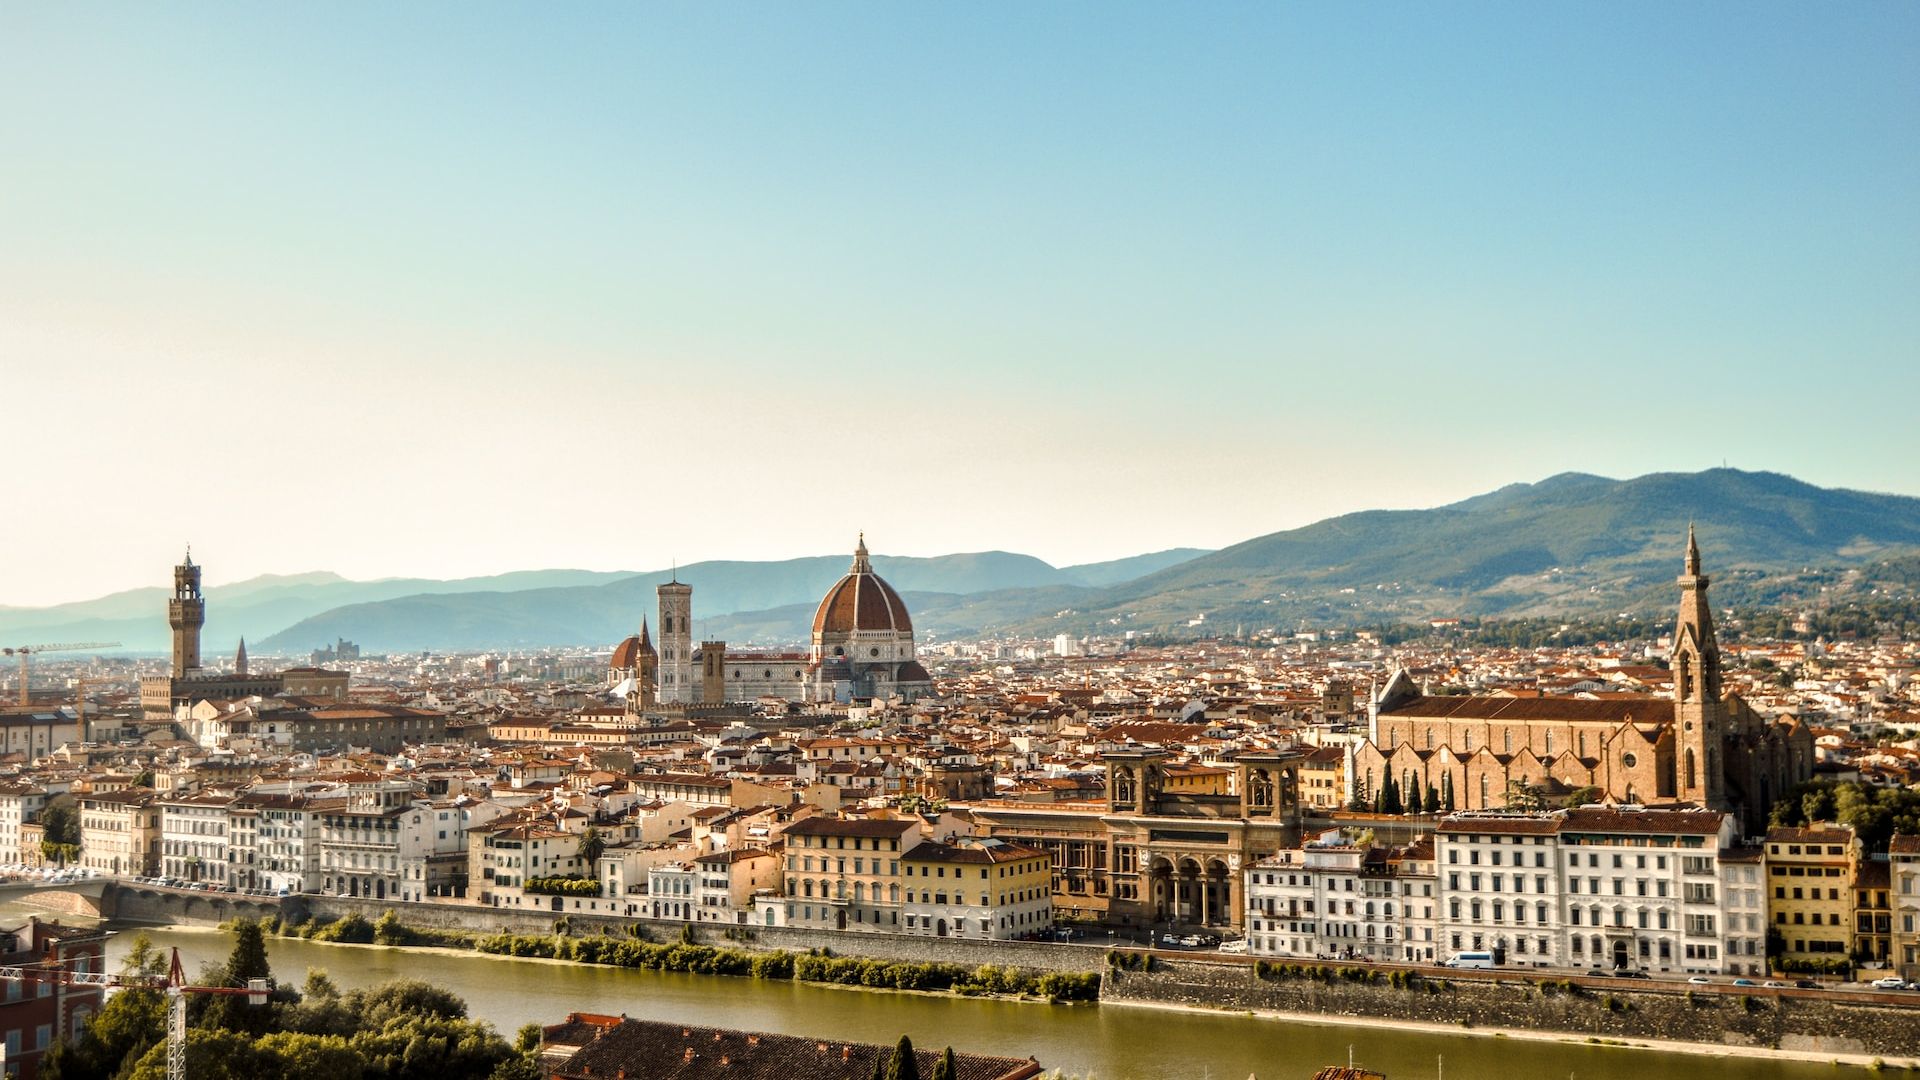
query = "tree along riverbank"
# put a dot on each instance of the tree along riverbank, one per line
(687, 955)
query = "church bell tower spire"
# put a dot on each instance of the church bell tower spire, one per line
(1699, 714)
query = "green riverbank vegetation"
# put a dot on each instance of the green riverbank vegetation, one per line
(685, 955)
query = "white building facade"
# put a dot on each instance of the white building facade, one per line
(1336, 900)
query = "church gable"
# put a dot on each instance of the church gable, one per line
(1400, 690)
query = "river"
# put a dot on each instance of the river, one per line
(1103, 1042)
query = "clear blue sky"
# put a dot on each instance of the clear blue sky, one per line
(450, 289)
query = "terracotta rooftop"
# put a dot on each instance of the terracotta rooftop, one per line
(665, 1051)
(1617, 709)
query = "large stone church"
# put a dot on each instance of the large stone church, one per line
(1697, 745)
(861, 647)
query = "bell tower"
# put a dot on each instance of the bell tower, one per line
(186, 613)
(1699, 714)
(676, 643)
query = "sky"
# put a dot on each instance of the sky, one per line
(454, 289)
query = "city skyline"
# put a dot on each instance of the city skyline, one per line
(608, 288)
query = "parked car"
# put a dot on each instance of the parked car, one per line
(1469, 960)
(1631, 973)
(1891, 982)
(1234, 946)
(1745, 982)
(1808, 984)
(1775, 984)
(1700, 980)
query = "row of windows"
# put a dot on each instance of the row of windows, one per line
(860, 866)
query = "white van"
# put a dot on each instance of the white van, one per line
(1469, 960)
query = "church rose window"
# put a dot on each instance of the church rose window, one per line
(1629, 760)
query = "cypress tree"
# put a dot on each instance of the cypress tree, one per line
(247, 961)
(903, 1066)
(946, 1069)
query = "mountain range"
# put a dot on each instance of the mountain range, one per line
(294, 613)
(1570, 545)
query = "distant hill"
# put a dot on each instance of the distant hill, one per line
(780, 596)
(294, 613)
(254, 608)
(1569, 545)
(1119, 570)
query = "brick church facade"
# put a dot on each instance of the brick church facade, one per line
(1697, 745)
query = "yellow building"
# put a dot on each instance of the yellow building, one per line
(503, 856)
(1904, 867)
(844, 873)
(120, 831)
(1196, 780)
(1872, 911)
(1323, 778)
(991, 891)
(1810, 899)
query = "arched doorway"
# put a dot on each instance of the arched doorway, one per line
(1160, 890)
(1186, 908)
(839, 918)
(1216, 895)
(1620, 955)
(940, 928)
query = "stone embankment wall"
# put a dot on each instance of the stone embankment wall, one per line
(1797, 1021)
(902, 947)
(170, 907)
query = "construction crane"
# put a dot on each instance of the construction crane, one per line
(24, 651)
(175, 984)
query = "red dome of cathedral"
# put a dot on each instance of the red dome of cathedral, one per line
(861, 601)
(627, 654)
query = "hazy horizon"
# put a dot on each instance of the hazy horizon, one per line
(450, 290)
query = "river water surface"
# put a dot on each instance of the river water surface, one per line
(1108, 1042)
